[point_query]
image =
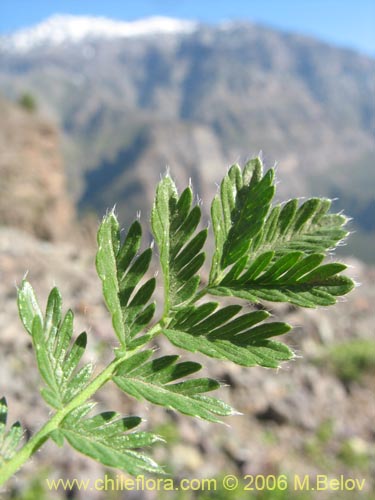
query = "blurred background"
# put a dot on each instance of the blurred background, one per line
(97, 100)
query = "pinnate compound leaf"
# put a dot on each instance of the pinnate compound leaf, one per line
(121, 270)
(106, 438)
(108, 247)
(275, 253)
(57, 356)
(294, 277)
(238, 212)
(308, 228)
(9, 440)
(225, 334)
(155, 381)
(174, 222)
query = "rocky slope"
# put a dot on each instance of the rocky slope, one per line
(302, 419)
(33, 193)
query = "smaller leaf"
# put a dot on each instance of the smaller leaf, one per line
(10, 440)
(50, 397)
(187, 290)
(106, 265)
(306, 212)
(303, 267)
(133, 276)
(142, 319)
(263, 353)
(64, 337)
(105, 438)
(130, 247)
(75, 354)
(139, 342)
(174, 223)
(58, 437)
(133, 362)
(57, 360)
(323, 272)
(224, 334)
(53, 315)
(78, 382)
(121, 272)
(238, 213)
(28, 306)
(294, 277)
(152, 380)
(42, 357)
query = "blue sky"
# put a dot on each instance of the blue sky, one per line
(348, 23)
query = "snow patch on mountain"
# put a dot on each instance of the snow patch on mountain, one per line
(61, 29)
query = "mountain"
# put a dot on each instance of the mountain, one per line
(134, 98)
(61, 29)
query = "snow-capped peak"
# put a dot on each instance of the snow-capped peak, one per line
(61, 28)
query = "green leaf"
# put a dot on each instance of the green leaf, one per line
(155, 381)
(226, 334)
(274, 253)
(105, 438)
(28, 306)
(53, 315)
(106, 265)
(174, 223)
(9, 440)
(238, 213)
(294, 277)
(121, 272)
(308, 228)
(57, 357)
(58, 437)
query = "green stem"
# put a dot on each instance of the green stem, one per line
(13, 465)
(154, 331)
